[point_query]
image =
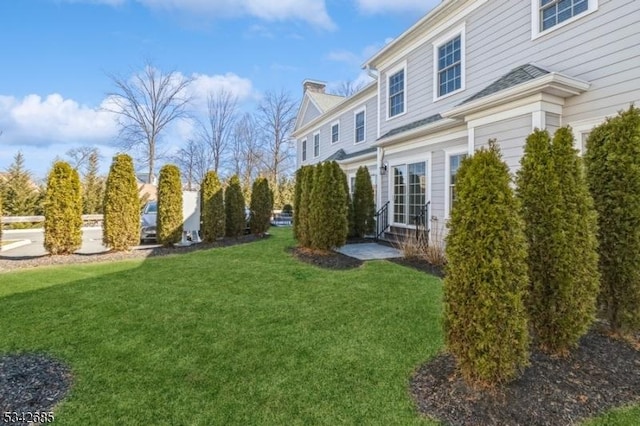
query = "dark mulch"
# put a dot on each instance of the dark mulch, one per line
(421, 265)
(8, 263)
(32, 383)
(600, 374)
(327, 260)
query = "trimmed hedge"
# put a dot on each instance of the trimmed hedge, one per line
(302, 210)
(613, 172)
(63, 210)
(236, 221)
(329, 210)
(170, 216)
(212, 213)
(364, 208)
(560, 225)
(121, 206)
(261, 206)
(485, 284)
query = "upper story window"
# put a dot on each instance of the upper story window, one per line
(359, 126)
(396, 93)
(449, 63)
(450, 66)
(335, 132)
(304, 150)
(551, 14)
(316, 145)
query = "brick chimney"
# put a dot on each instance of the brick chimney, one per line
(313, 86)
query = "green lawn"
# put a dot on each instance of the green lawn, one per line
(240, 335)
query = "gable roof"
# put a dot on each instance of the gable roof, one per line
(516, 76)
(323, 101)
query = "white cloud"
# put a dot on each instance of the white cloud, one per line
(311, 11)
(202, 85)
(34, 120)
(384, 6)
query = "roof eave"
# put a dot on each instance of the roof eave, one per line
(553, 83)
(358, 158)
(436, 126)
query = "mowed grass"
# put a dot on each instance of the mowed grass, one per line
(240, 335)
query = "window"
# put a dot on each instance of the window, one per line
(316, 145)
(551, 14)
(454, 165)
(450, 66)
(335, 132)
(352, 185)
(359, 126)
(304, 150)
(409, 192)
(396, 93)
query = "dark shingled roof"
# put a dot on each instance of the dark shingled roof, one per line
(341, 155)
(516, 76)
(411, 126)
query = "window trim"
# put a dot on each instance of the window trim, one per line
(316, 135)
(536, 30)
(335, 123)
(303, 150)
(404, 161)
(448, 153)
(459, 31)
(390, 73)
(355, 125)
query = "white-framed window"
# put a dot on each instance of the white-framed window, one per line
(352, 184)
(335, 132)
(449, 64)
(316, 145)
(548, 15)
(359, 125)
(304, 150)
(396, 91)
(409, 188)
(453, 160)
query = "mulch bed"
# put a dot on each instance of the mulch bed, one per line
(327, 260)
(31, 383)
(600, 374)
(9, 263)
(420, 264)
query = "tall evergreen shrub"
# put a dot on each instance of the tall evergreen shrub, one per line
(212, 213)
(170, 215)
(303, 228)
(261, 206)
(485, 284)
(364, 209)
(560, 225)
(329, 221)
(121, 206)
(63, 210)
(613, 172)
(234, 207)
(297, 195)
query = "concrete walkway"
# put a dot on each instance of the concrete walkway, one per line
(369, 251)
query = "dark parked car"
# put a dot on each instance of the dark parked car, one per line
(148, 222)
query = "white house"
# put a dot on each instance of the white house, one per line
(468, 71)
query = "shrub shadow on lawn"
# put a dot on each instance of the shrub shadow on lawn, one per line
(602, 373)
(325, 259)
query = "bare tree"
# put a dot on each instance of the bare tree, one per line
(215, 130)
(349, 88)
(194, 161)
(80, 156)
(247, 155)
(276, 117)
(146, 104)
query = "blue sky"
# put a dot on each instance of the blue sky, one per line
(56, 55)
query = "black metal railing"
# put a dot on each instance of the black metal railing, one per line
(421, 221)
(382, 220)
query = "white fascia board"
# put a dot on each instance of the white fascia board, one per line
(436, 126)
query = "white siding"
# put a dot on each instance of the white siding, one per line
(510, 135)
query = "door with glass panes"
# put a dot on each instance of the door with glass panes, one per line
(409, 191)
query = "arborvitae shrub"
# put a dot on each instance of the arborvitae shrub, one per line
(364, 209)
(485, 284)
(121, 206)
(212, 212)
(63, 210)
(613, 173)
(234, 207)
(329, 221)
(170, 216)
(0, 215)
(261, 206)
(560, 226)
(302, 211)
